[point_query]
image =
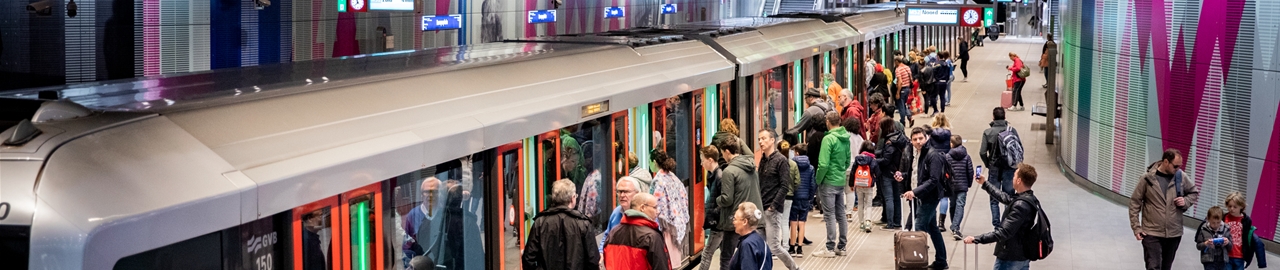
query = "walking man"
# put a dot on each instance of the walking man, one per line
(561, 237)
(1156, 207)
(1001, 172)
(931, 176)
(903, 74)
(1018, 218)
(775, 174)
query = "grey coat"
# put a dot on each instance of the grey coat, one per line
(738, 183)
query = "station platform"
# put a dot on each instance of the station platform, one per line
(1089, 231)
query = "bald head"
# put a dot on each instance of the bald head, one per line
(645, 202)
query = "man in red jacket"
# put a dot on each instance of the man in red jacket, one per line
(636, 243)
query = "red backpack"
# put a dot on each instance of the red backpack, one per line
(862, 176)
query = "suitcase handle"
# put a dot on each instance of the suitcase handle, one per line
(966, 256)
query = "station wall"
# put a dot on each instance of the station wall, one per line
(1199, 76)
(117, 39)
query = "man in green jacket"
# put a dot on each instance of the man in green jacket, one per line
(831, 181)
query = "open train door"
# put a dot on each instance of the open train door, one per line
(509, 165)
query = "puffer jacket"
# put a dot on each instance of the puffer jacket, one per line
(833, 162)
(1213, 253)
(561, 238)
(636, 244)
(962, 166)
(1015, 221)
(868, 159)
(804, 185)
(774, 173)
(738, 183)
(1160, 217)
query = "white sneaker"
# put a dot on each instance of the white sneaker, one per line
(824, 253)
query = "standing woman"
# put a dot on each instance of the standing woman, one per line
(964, 59)
(752, 253)
(672, 204)
(1017, 82)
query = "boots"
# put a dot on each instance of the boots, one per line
(942, 222)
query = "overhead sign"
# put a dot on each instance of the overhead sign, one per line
(669, 9)
(971, 16)
(614, 12)
(542, 16)
(441, 22)
(390, 5)
(595, 108)
(988, 17)
(933, 15)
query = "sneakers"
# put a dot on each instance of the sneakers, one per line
(823, 253)
(957, 235)
(841, 252)
(797, 251)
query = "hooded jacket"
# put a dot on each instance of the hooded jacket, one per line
(636, 245)
(833, 161)
(962, 166)
(890, 154)
(853, 110)
(1015, 221)
(1151, 207)
(804, 184)
(813, 122)
(561, 238)
(644, 179)
(738, 183)
(1213, 253)
(868, 159)
(742, 145)
(579, 172)
(774, 173)
(990, 149)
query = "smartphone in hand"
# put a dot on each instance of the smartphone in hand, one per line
(978, 171)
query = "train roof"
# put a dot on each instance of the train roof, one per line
(128, 173)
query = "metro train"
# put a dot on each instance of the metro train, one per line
(366, 162)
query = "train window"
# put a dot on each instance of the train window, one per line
(441, 228)
(317, 240)
(203, 252)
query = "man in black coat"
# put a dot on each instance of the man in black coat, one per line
(561, 237)
(931, 176)
(1017, 219)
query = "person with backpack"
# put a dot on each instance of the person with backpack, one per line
(1156, 207)
(812, 122)
(863, 182)
(1244, 241)
(945, 78)
(1018, 242)
(1019, 77)
(990, 152)
(929, 73)
(931, 174)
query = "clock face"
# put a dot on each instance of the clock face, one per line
(357, 4)
(971, 16)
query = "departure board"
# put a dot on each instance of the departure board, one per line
(391, 5)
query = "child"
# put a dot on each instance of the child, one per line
(1212, 240)
(962, 167)
(1244, 243)
(802, 199)
(864, 167)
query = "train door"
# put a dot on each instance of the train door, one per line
(511, 176)
(673, 138)
(341, 232)
(316, 235)
(548, 159)
(770, 101)
(362, 228)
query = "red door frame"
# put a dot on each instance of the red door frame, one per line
(554, 136)
(335, 247)
(376, 191)
(518, 222)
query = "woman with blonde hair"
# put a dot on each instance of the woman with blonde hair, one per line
(730, 128)
(941, 121)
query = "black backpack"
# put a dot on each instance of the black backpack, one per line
(1037, 241)
(926, 74)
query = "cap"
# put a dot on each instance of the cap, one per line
(812, 92)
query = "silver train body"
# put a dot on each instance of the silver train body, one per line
(123, 168)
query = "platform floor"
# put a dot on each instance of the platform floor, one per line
(1090, 232)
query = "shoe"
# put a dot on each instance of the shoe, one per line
(938, 265)
(824, 253)
(889, 228)
(841, 252)
(957, 235)
(855, 209)
(807, 242)
(817, 215)
(878, 223)
(877, 204)
(799, 252)
(1044, 86)
(942, 222)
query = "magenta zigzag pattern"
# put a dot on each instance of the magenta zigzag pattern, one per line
(1122, 107)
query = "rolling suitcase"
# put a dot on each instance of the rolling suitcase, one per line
(1006, 99)
(966, 256)
(910, 248)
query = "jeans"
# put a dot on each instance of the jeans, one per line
(926, 221)
(957, 209)
(1017, 93)
(946, 99)
(1158, 252)
(772, 229)
(1003, 178)
(1012, 265)
(892, 202)
(863, 196)
(833, 215)
(726, 242)
(784, 220)
(903, 112)
(1236, 264)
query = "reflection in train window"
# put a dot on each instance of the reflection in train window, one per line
(587, 149)
(678, 135)
(512, 206)
(317, 240)
(440, 216)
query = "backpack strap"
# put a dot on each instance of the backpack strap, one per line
(1177, 182)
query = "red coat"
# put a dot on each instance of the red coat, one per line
(636, 244)
(1017, 66)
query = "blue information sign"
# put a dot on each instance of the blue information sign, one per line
(669, 9)
(441, 22)
(542, 16)
(614, 12)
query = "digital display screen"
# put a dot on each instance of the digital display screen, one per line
(542, 16)
(391, 5)
(933, 16)
(614, 12)
(443, 22)
(669, 9)
(595, 108)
